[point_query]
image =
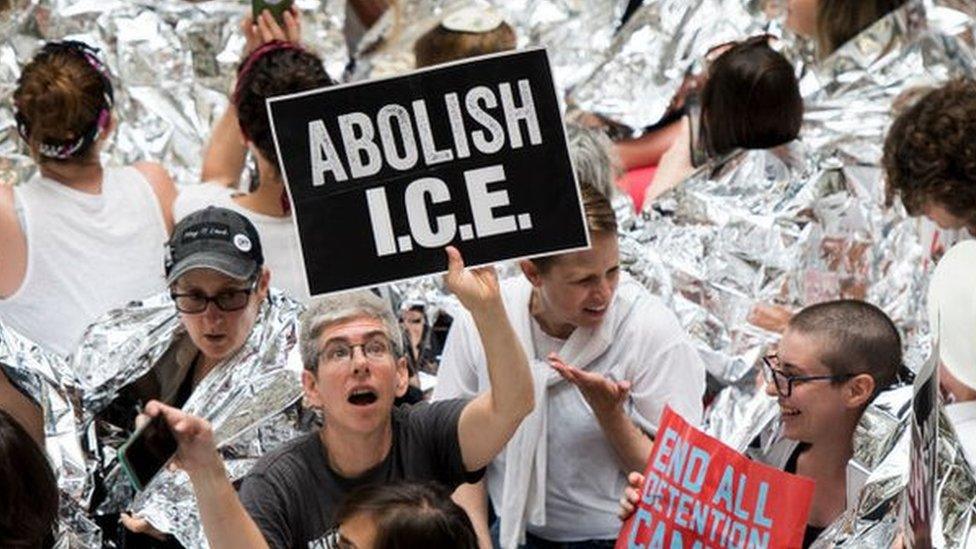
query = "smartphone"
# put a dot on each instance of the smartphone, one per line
(276, 7)
(146, 451)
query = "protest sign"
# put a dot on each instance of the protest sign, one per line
(382, 175)
(700, 493)
(922, 471)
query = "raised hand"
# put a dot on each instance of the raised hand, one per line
(196, 452)
(477, 289)
(265, 29)
(601, 393)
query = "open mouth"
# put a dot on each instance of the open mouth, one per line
(214, 338)
(595, 310)
(362, 397)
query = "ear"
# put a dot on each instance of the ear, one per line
(860, 389)
(531, 272)
(311, 387)
(264, 282)
(402, 377)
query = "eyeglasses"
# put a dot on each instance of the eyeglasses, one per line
(784, 382)
(413, 320)
(228, 300)
(340, 353)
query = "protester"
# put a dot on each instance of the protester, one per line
(292, 495)
(832, 23)
(274, 64)
(929, 157)
(952, 315)
(29, 498)
(76, 224)
(833, 359)
(462, 33)
(218, 282)
(402, 515)
(587, 325)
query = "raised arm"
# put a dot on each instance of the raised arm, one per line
(225, 522)
(490, 420)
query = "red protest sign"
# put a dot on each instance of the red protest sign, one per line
(699, 493)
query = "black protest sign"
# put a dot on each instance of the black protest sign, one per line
(384, 174)
(922, 470)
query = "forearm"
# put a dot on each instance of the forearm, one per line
(368, 11)
(508, 368)
(474, 500)
(225, 521)
(224, 158)
(647, 149)
(631, 445)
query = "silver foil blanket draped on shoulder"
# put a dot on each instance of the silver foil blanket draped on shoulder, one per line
(39, 375)
(877, 473)
(249, 399)
(172, 64)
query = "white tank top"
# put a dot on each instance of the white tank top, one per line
(86, 254)
(279, 239)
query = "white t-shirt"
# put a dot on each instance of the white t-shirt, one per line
(583, 478)
(279, 241)
(86, 254)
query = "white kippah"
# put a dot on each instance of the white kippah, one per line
(952, 304)
(473, 19)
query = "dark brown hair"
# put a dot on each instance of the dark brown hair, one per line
(29, 493)
(600, 218)
(751, 99)
(59, 97)
(267, 74)
(856, 337)
(440, 45)
(409, 515)
(930, 152)
(840, 20)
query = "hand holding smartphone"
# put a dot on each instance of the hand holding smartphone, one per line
(147, 451)
(276, 7)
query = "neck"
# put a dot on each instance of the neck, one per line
(267, 198)
(203, 366)
(549, 325)
(351, 454)
(82, 176)
(830, 455)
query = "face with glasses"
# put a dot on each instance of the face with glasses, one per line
(358, 376)
(813, 400)
(218, 311)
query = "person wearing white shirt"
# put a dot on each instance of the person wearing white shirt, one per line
(952, 314)
(608, 357)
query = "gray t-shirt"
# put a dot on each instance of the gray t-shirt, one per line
(292, 493)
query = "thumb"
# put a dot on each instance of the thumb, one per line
(455, 263)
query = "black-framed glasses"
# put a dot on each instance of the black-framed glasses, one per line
(228, 300)
(340, 352)
(784, 382)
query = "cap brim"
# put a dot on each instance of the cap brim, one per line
(234, 268)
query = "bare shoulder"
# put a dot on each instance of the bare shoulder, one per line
(13, 246)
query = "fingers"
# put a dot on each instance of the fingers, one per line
(455, 263)
(140, 526)
(626, 509)
(635, 479)
(293, 28)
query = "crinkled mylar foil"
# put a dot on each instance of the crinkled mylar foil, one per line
(249, 399)
(40, 375)
(665, 40)
(172, 64)
(575, 32)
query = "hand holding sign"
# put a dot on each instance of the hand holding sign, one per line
(603, 394)
(475, 288)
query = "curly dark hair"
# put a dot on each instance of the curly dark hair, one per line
(275, 72)
(930, 152)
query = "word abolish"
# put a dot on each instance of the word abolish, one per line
(699, 493)
(401, 137)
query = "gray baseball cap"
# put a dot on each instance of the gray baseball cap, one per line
(214, 238)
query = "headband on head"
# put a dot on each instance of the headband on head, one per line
(66, 149)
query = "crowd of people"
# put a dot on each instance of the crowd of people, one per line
(551, 379)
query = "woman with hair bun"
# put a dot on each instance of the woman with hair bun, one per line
(78, 238)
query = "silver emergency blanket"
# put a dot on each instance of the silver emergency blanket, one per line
(39, 375)
(172, 63)
(248, 399)
(663, 42)
(575, 32)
